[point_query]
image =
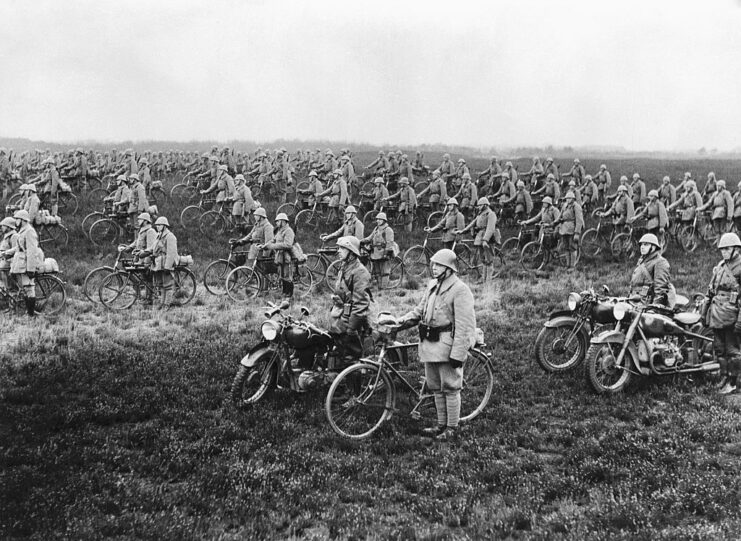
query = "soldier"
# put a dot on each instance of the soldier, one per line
(737, 207)
(522, 201)
(313, 191)
(603, 181)
(721, 202)
(667, 192)
(418, 165)
(651, 278)
(487, 177)
(32, 203)
(380, 193)
(710, 186)
(6, 249)
(507, 190)
(165, 255)
(447, 324)
(622, 209)
(128, 165)
(50, 184)
(576, 172)
(5, 172)
(224, 183)
(282, 170)
(143, 248)
(244, 204)
(281, 246)
(639, 190)
(550, 189)
(27, 258)
(378, 166)
(407, 202)
(485, 231)
(137, 198)
(467, 195)
(689, 201)
(588, 193)
(351, 300)
(436, 189)
(721, 311)
(547, 218)
(452, 221)
(570, 226)
(572, 189)
(338, 198)
(447, 168)
(655, 213)
(460, 170)
(262, 233)
(145, 175)
(536, 171)
(352, 227)
(381, 241)
(406, 169)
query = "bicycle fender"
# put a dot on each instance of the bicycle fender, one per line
(256, 352)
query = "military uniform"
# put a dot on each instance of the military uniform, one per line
(281, 246)
(7, 248)
(165, 256)
(452, 221)
(27, 257)
(381, 242)
(262, 233)
(570, 228)
(652, 281)
(723, 313)
(350, 228)
(31, 206)
(350, 314)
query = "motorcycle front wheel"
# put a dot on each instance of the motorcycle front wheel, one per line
(559, 349)
(359, 401)
(254, 382)
(602, 370)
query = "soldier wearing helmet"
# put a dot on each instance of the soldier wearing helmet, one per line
(550, 189)
(128, 165)
(507, 188)
(467, 195)
(651, 279)
(223, 185)
(488, 179)
(436, 191)
(5, 172)
(145, 175)
(622, 209)
(460, 170)
(32, 202)
(378, 166)
(570, 225)
(165, 257)
(452, 221)
(576, 172)
(312, 191)
(639, 190)
(737, 207)
(352, 227)
(380, 193)
(49, 184)
(407, 202)
(393, 173)
(7, 249)
(547, 219)
(574, 190)
(603, 180)
(486, 234)
(418, 165)
(688, 203)
(720, 202)
(536, 171)
(281, 172)
(138, 202)
(721, 311)
(406, 169)
(27, 258)
(447, 169)
(243, 201)
(667, 192)
(656, 216)
(282, 249)
(262, 233)
(522, 201)
(143, 247)
(338, 196)
(447, 323)
(382, 246)
(710, 186)
(351, 300)
(589, 193)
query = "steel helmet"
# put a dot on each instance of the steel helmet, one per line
(547, 200)
(446, 258)
(622, 188)
(345, 157)
(623, 178)
(569, 195)
(461, 160)
(587, 177)
(482, 201)
(721, 184)
(549, 159)
(452, 201)
(576, 160)
(223, 168)
(239, 177)
(145, 216)
(312, 173)
(666, 179)
(691, 184)
(505, 174)
(22, 215)
(31, 188)
(162, 221)
(466, 176)
(260, 212)
(351, 210)
(520, 184)
(8, 222)
(572, 183)
(350, 243)
(405, 156)
(603, 167)
(508, 164)
(144, 160)
(551, 176)
(653, 193)
(381, 216)
(650, 238)
(378, 180)
(213, 158)
(729, 240)
(337, 172)
(636, 176)
(133, 176)
(404, 181)
(121, 178)
(281, 216)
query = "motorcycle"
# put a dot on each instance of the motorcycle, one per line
(294, 354)
(648, 340)
(563, 341)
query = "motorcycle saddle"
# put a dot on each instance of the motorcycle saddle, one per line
(687, 318)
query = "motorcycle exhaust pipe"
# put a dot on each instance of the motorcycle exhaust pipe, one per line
(709, 367)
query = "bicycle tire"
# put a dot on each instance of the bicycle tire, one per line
(590, 243)
(333, 271)
(50, 295)
(67, 203)
(622, 247)
(396, 272)
(104, 233)
(92, 282)
(359, 401)
(303, 281)
(305, 219)
(51, 236)
(533, 256)
(478, 385)
(317, 267)
(434, 218)
(189, 217)
(184, 287)
(511, 250)
(212, 223)
(89, 220)
(95, 197)
(289, 209)
(688, 239)
(214, 277)
(415, 261)
(243, 283)
(117, 291)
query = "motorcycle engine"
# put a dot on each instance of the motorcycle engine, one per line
(666, 351)
(312, 379)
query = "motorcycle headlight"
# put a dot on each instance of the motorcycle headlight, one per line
(573, 301)
(269, 330)
(620, 309)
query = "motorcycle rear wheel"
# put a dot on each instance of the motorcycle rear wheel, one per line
(551, 349)
(601, 370)
(253, 383)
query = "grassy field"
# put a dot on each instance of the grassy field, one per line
(118, 425)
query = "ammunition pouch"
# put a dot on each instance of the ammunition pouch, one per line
(432, 334)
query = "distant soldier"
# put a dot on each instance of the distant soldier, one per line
(452, 221)
(165, 255)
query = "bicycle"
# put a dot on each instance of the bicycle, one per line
(512, 247)
(598, 240)
(247, 282)
(319, 264)
(51, 296)
(537, 254)
(365, 394)
(396, 271)
(417, 258)
(292, 209)
(120, 290)
(218, 220)
(315, 219)
(214, 277)
(95, 277)
(190, 215)
(109, 230)
(393, 215)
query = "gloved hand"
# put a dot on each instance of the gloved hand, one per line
(737, 328)
(455, 363)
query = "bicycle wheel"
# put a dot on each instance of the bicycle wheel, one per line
(243, 283)
(89, 220)
(471, 265)
(359, 400)
(185, 286)
(396, 272)
(53, 236)
(117, 291)
(498, 263)
(94, 183)
(50, 294)
(104, 232)
(330, 277)
(305, 220)
(303, 281)
(157, 196)
(622, 246)
(415, 261)
(92, 282)
(214, 277)
(95, 197)
(212, 223)
(533, 256)
(67, 203)
(369, 220)
(317, 267)
(189, 217)
(434, 218)
(511, 250)
(289, 209)
(590, 243)
(478, 384)
(15, 200)
(178, 192)
(688, 238)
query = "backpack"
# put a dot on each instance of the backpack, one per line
(297, 253)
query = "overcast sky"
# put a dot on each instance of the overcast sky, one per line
(646, 75)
